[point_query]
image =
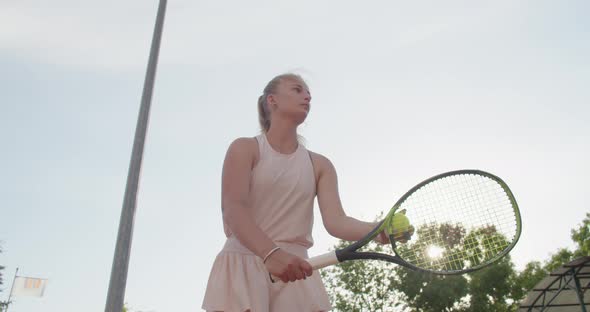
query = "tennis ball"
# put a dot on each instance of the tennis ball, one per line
(398, 224)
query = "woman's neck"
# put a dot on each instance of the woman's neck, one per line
(282, 138)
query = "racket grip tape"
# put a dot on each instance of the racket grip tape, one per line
(323, 261)
(316, 263)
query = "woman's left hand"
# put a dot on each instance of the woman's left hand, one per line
(382, 238)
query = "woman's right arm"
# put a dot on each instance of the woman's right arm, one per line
(235, 192)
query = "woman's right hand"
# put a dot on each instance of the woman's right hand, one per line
(287, 266)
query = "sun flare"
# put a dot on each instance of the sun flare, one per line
(435, 251)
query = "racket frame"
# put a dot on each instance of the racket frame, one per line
(350, 252)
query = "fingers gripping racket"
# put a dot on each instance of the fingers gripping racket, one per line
(461, 221)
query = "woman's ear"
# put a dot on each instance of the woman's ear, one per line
(272, 102)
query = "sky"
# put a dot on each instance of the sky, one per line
(401, 91)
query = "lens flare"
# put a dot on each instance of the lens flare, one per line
(435, 251)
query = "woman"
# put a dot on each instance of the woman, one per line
(269, 183)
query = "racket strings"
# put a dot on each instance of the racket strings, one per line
(461, 221)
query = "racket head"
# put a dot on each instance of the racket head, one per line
(463, 221)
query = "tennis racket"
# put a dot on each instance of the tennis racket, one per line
(461, 221)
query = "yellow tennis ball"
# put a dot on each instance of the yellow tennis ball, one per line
(398, 224)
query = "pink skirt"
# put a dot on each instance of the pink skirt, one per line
(240, 282)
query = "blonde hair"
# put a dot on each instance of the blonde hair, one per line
(271, 87)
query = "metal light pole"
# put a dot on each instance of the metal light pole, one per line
(116, 293)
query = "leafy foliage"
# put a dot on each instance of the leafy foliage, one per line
(1, 269)
(524, 281)
(361, 285)
(581, 236)
(378, 286)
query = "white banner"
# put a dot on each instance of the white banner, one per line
(28, 286)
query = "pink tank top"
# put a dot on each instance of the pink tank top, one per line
(282, 193)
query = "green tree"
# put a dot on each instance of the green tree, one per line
(535, 271)
(1, 269)
(525, 280)
(581, 236)
(3, 304)
(491, 288)
(378, 286)
(375, 286)
(356, 286)
(488, 289)
(561, 257)
(428, 292)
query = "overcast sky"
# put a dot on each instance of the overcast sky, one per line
(401, 92)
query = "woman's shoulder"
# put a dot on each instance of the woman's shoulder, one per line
(320, 161)
(243, 145)
(244, 141)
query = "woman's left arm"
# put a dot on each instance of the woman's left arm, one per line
(335, 220)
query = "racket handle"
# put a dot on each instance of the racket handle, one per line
(323, 261)
(316, 263)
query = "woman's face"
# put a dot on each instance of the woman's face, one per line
(291, 99)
